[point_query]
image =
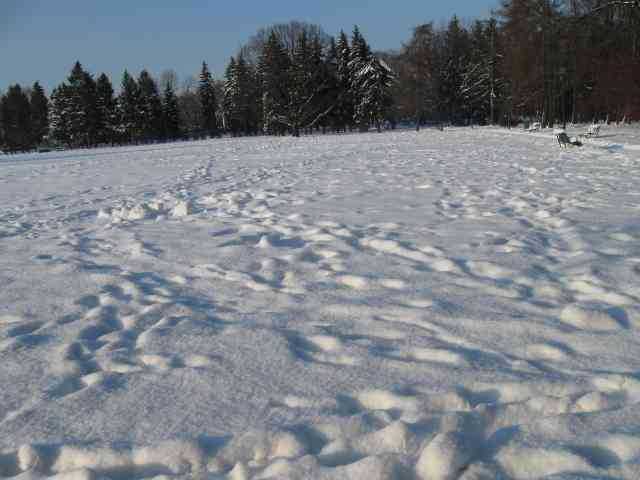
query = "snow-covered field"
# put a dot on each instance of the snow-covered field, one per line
(437, 305)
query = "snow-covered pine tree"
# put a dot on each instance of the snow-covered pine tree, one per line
(238, 89)
(345, 109)
(455, 58)
(39, 114)
(256, 99)
(82, 91)
(301, 89)
(106, 111)
(374, 82)
(77, 111)
(207, 94)
(149, 108)
(253, 98)
(330, 69)
(324, 81)
(305, 106)
(359, 58)
(89, 102)
(231, 97)
(481, 82)
(61, 114)
(273, 68)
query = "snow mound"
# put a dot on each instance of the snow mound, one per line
(444, 457)
(591, 319)
(528, 463)
(183, 208)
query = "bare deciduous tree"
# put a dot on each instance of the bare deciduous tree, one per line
(288, 33)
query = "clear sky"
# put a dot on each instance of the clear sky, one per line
(41, 39)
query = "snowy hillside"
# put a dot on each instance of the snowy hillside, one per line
(437, 305)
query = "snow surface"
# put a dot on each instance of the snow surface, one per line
(437, 305)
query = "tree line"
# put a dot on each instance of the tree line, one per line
(553, 61)
(295, 80)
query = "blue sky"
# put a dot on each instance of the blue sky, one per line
(41, 39)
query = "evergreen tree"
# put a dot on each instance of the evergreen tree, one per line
(374, 82)
(247, 76)
(238, 92)
(16, 117)
(149, 108)
(273, 68)
(207, 94)
(77, 112)
(106, 111)
(129, 109)
(325, 82)
(359, 58)
(256, 98)
(309, 87)
(550, 60)
(39, 114)
(302, 87)
(84, 116)
(61, 114)
(231, 98)
(170, 114)
(330, 72)
(345, 109)
(480, 82)
(456, 51)
(360, 49)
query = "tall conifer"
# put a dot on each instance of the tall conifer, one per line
(16, 117)
(83, 108)
(273, 67)
(207, 94)
(345, 110)
(61, 114)
(129, 109)
(149, 108)
(39, 114)
(170, 114)
(106, 110)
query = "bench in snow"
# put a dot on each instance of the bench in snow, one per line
(592, 131)
(565, 141)
(534, 127)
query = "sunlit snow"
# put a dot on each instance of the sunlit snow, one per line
(462, 304)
